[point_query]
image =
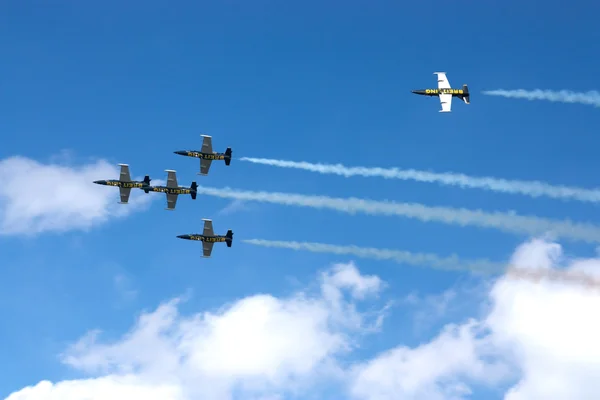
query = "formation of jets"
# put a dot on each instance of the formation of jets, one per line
(173, 190)
(445, 92)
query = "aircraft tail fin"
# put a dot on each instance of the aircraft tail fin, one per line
(194, 189)
(228, 156)
(146, 182)
(466, 97)
(229, 238)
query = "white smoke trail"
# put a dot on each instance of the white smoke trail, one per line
(503, 221)
(403, 257)
(563, 276)
(528, 188)
(481, 266)
(563, 96)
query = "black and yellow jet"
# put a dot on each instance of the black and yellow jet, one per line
(125, 184)
(172, 190)
(445, 92)
(208, 238)
(206, 155)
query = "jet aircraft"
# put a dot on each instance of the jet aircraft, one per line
(125, 184)
(172, 190)
(445, 92)
(206, 155)
(208, 238)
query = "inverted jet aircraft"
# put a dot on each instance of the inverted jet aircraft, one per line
(208, 238)
(445, 92)
(125, 184)
(206, 155)
(173, 190)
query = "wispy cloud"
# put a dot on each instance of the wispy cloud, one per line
(404, 257)
(563, 96)
(527, 188)
(504, 221)
(37, 197)
(124, 287)
(233, 207)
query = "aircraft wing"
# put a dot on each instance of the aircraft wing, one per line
(171, 178)
(207, 249)
(171, 201)
(446, 101)
(124, 192)
(443, 82)
(206, 144)
(204, 166)
(208, 228)
(125, 176)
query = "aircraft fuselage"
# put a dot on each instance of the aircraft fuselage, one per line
(117, 183)
(201, 155)
(168, 190)
(203, 238)
(437, 92)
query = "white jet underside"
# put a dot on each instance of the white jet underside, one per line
(445, 98)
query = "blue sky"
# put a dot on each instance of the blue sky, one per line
(311, 81)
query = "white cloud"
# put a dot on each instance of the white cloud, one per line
(36, 197)
(540, 337)
(348, 276)
(550, 329)
(259, 345)
(431, 371)
(542, 334)
(105, 388)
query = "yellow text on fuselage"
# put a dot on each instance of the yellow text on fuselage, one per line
(207, 239)
(444, 91)
(125, 184)
(213, 156)
(170, 190)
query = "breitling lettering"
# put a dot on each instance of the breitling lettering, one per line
(179, 191)
(130, 185)
(213, 157)
(214, 239)
(444, 91)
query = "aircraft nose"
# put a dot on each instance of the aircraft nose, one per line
(182, 236)
(99, 182)
(180, 152)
